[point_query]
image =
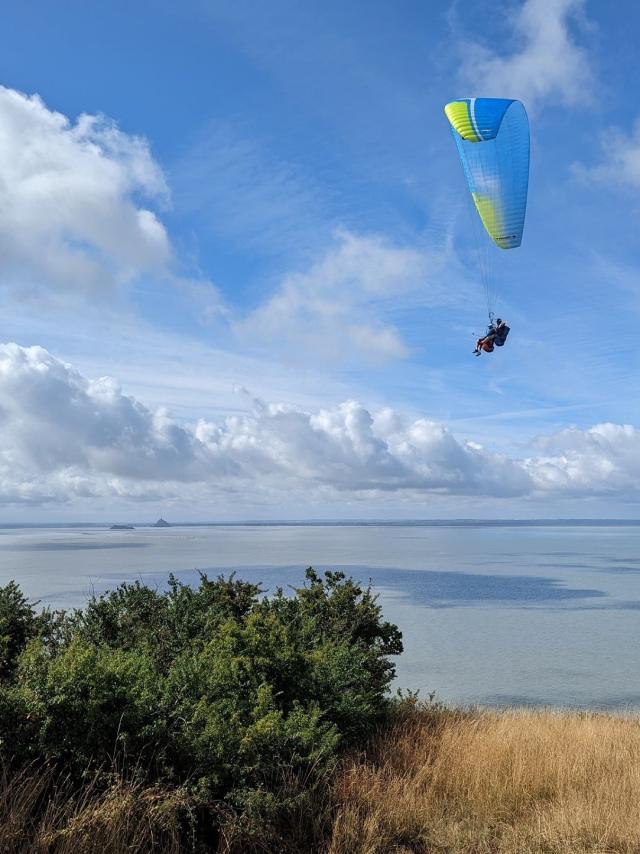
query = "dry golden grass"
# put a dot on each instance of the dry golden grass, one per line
(40, 814)
(515, 781)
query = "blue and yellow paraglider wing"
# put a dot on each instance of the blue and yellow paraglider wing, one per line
(492, 136)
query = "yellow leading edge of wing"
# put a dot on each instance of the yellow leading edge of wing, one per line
(459, 117)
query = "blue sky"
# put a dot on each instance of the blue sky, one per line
(261, 234)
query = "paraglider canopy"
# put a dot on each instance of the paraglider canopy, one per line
(492, 136)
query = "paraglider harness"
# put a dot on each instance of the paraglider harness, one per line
(501, 331)
(496, 335)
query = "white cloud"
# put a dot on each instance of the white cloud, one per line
(333, 309)
(71, 217)
(64, 437)
(547, 62)
(603, 459)
(53, 420)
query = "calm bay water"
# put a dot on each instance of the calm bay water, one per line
(491, 613)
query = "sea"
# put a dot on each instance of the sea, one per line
(508, 613)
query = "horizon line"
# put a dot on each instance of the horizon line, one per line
(385, 521)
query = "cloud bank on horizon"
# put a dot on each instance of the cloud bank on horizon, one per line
(66, 438)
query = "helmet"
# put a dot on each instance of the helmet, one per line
(498, 320)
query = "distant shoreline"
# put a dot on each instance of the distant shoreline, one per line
(350, 523)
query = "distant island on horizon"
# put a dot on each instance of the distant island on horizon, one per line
(161, 523)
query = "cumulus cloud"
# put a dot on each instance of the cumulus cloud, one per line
(71, 212)
(333, 309)
(53, 420)
(64, 437)
(603, 459)
(547, 62)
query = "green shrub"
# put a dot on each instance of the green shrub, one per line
(19, 623)
(242, 698)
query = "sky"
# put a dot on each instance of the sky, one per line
(237, 267)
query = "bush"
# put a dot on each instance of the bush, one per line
(242, 700)
(19, 623)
